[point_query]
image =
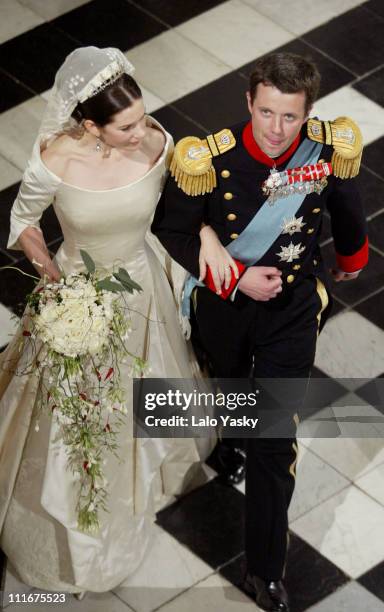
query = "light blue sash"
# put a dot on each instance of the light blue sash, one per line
(264, 228)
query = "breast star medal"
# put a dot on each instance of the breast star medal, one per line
(292, 225)
(291, 252)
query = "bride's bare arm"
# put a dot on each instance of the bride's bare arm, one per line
(215, 255)
(33, 244)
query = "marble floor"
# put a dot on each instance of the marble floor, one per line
(192, 59)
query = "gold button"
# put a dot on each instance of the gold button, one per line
(231, 217)
(310, 230)
(316, 210)
(297, 267)
(228, 195)
(225, 173)
(290, 278)
(315, 262)
(234, 236)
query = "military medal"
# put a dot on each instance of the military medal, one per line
(292, 225)
(305, 179)
(291, 252)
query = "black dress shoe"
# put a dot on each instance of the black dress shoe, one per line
(229, 463)
(269, 595)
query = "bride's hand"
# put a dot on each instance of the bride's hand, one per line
(214, 255)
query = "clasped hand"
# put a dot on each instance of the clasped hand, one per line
(258, 282)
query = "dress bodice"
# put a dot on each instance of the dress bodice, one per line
(110, 224)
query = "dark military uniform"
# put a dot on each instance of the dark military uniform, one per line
(274, 339)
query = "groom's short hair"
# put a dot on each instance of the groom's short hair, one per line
(288, 72)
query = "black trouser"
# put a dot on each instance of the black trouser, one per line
(278, 339)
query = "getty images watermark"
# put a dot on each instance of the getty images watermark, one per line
(272, 408)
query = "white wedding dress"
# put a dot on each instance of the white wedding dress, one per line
(38, 493)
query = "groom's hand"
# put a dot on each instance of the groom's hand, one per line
(261, 283)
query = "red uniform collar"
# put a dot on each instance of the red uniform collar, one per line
(255, 151)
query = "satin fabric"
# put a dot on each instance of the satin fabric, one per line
(38, 493)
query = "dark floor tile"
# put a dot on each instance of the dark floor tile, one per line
(3, 565)
(7, 197)
(373, 156)
(353, 39)
(115, 23)
(371, 190)
(34, 57)
(371, 278)
(178, 125)
(5, 259)
(377, 6)
(209, 521)
(49, 223)
(174, 13)
(12, 92)
(373, 580)
(373, 86)
(376, 231)
(219, 104)
(373, 309)
(14, 286)
(336, 307)
(372, 392)
(332, 75)
(309, 576)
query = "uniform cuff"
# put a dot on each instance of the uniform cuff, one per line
(355, 262)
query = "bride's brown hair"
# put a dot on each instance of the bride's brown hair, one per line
(114, 98)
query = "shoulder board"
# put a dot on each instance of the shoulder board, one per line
(345, 137)
(191, 165)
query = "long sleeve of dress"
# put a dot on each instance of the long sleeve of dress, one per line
(36, 193)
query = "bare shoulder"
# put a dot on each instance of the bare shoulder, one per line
(57, 154)
(156, 141)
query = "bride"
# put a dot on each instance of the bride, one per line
(101, 161)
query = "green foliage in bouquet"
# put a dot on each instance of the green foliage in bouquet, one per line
(76, 332)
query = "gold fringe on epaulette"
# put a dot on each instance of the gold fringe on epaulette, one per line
(348, 147)
(192, 168)
(345, 137)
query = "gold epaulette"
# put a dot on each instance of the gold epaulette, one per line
(345, 137)
(191, 165)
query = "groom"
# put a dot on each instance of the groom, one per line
(263, 186)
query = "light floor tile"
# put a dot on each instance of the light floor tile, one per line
(300, 17)
(351, 598)
(373, 483)
(213, 594)
(16, 19)
(234, 33)
(171, 66)
(347, 101)
(92, 602)
(53, 8)
(152, 102)
(350, 346)
(9, 174)
(167, 570)
(347, 529)
(352, 457)
(7, 325)
(18, 129)
(316, 481)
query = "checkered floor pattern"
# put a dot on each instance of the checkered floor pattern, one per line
(192, 59)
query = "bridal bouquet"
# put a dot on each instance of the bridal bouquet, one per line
(83, 327)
